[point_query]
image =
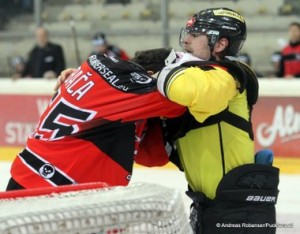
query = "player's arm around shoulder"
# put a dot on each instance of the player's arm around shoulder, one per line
(204, 91)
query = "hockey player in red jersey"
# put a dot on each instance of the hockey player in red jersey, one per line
(94, 124)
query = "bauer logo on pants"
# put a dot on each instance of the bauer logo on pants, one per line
(47, 171)
(271, 199)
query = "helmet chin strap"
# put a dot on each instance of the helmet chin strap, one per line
(211, 47)
(213, 37)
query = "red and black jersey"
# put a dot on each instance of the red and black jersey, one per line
(92, 127)
(291, 59)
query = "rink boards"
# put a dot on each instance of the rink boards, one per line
(276, 117)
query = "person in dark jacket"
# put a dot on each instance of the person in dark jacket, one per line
(46, 59)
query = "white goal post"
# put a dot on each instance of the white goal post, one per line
(94, 209)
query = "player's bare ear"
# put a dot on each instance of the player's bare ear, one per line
(221, 45)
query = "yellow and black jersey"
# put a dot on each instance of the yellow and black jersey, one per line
(212, 148)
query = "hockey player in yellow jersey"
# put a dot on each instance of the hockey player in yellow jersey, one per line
(231, 192)
(214, 139)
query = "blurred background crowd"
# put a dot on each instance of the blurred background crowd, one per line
(41, 38)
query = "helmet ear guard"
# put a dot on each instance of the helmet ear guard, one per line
(213, 37)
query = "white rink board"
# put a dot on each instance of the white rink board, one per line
(288, 207)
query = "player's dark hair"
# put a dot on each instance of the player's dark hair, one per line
(294, 24)
(151, 60)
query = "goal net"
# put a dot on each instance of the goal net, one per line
(94, 209)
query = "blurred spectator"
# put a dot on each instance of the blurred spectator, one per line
(44, 57)
(245, 58)
(291, 53)
(101, 46)
(18, 65)
(276, 64)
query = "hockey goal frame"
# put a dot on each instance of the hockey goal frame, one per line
(94, 208)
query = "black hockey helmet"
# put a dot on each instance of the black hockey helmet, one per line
(218, 23)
